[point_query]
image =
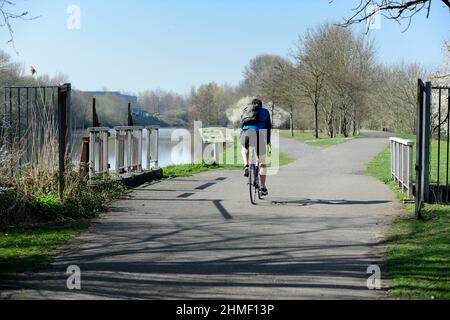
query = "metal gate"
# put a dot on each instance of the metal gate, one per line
(433, 145)
(32, 119)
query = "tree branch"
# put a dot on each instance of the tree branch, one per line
(7, 15)
(390, 9)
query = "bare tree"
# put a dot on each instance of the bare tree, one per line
(390, 9)
(334, 67)
(280, 87)
(257, 79)
(8, 14)
(312, 71)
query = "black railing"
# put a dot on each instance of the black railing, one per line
(439, 187)
(31, 117)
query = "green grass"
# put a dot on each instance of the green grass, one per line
(324, 141)
(442, 162)
(188, 170)
(25, 248)
(418, 252)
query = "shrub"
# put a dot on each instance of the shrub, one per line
(34, 197)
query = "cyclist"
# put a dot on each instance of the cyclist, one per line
(256, 131)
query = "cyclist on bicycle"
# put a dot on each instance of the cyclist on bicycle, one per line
(256, 131)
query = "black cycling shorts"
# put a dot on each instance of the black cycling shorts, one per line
(255, 139)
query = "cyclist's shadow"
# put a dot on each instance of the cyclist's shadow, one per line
(303, 202)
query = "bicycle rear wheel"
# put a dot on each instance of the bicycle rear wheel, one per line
(253, 184)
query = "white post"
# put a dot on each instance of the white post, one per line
(140, 150)
(157, 149)
(117, 152)
(105, 152)
(149, 148)
(152, 158)
(129, 152)
(410, 172)
(392, 158)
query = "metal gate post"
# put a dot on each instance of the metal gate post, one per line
(62, 130)
(426, 143)
(69, 117)
(419, 151)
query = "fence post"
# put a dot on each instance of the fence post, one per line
(119, 152)
(410, 172)
(419, 151)
(105, 165)
(129, 152)
(157, 148)
(152, 158)
(62, 136)
(392, 158)
(92, 157)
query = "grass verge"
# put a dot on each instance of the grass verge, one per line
(323, 142)
(25, 248)
(418, 252)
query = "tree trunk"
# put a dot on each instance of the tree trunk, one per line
(291, 116)
(330, 125)
(316, 121)
(345, 126)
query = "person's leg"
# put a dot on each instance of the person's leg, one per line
(245, 152)
(263, 171)
(245, 155)
(262, 151)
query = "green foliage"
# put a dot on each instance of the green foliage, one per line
(23, 248)
(48, 205)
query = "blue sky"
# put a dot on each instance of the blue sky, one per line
(175, 44)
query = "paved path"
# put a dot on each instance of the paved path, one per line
(199, 237)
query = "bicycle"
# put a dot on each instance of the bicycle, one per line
(254, 179)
